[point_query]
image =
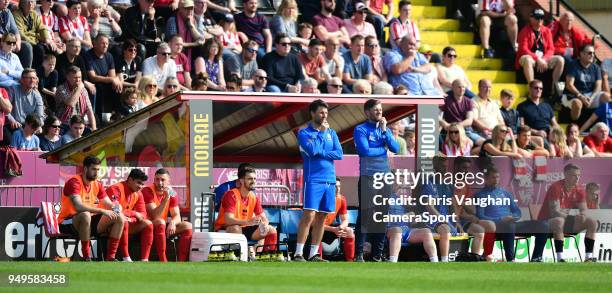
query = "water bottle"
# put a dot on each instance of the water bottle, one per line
(116, 205)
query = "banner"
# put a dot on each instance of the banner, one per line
(200, 162)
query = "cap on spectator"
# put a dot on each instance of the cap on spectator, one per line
(186, 3)
(229, 17)
(425, 49)
(360, 6)
(537, 13)
(71, 3)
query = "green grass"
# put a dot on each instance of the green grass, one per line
(315, 277)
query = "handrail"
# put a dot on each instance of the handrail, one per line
(577, 14)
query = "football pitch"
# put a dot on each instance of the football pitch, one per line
(314, 277)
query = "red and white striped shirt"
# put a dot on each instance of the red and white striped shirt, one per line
(398, 30)
(50, 21)
(455, 151)
(494, 5)
(229, 40)
(76, 28)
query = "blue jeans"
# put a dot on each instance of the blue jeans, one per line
(273, 89)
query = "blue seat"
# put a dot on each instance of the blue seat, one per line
(289, 221)
(352, 217)
(273, 215)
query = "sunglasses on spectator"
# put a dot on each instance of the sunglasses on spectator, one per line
(262, 77)
(55, 126)
(251, 50)
(133, 50)
(454, 132)
(165, 53)
(284, 44)
(503, 130)
(11, 43)
(451, 55)
(537, 88)
(152, 85)
(336, 85)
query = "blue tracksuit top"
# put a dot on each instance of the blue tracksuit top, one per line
(319, 149)
(372, 147)
(497, 212)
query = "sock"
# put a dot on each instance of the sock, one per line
(270, 242)
(588, 245)
(127, 259)
(488, 243)
(160, 242)
(559, 248)
(123, 241)
(299, 249)
(349, 249)
(392, 258)
(433, 258)
(444, 258)
(146, 241)
(113, 244)
(184, 245)
(85, 249)
(588, 255)
(314, 249)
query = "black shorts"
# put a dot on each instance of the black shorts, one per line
(248, 231)
(568, 227)
(329, 237)
(67, 227)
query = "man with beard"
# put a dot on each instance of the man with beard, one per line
(319, 147)
(241, 212)
(373, 140)
(327, 25)
(81, 215)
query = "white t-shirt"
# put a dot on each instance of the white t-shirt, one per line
(150, 67)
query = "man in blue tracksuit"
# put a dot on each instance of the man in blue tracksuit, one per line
(319, 147)
(372, 139)
(506, 218)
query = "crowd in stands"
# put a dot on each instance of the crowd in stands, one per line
(101, 60)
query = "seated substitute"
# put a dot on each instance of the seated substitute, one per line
(342, 231)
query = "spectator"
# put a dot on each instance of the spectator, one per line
(160, 66)
(603, 113)
(333, 59)
(50, 21)
(129, 65)
(205, 24)
(410, 138)
(377, 18)
(313, 62)
(327, 25)
(138, 23)
(486, 111)
(212, 63)
(223, 6)
(284, 69)
(72, 57)
(583, 84)
(305, 32)
(25, 139)
(357, 25)
(525, 145)
(285, 22)
(183, 24)
(567, 38)
(362, 87)
(382, 88)
(456, 143)
(101, 20)
(310, 86)
(5, 109)
(357, 65)
(400, 90)
(510, 115)
(245, 64)
(405, 66)
(77, 127)
(171, 86)
(8, 25)
(200, 82)
(606, 67)
(395, 130)
(593, 192)
(536, 50)
(129, 104)
(459, 108)
(432, 76)
(449, 71)
(101, 71)
(498, 146)
(497, 13)
(10, 66)
(32, 30)
(535, 113)
(47, 82)
(255, 26)
(372, 50)
(558, 144)
(578, 148)
(403, 26)
(599, 141)
(73, 25)
(148, 90)
(234, 84)
(334, 86)
(50, 138)
(25, 99)
(72, 99)
(260, 79)
(183, 64)
(230, 39)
